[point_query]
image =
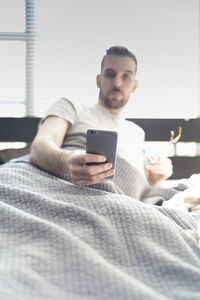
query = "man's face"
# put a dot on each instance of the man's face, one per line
(116, 82)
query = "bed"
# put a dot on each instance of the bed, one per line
(106, 241)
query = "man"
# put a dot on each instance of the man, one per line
(55, 147)
(62, 241)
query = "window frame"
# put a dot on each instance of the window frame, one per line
(28, 37)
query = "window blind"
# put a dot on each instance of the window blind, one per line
(29, 38)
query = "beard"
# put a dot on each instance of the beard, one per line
(112, 101)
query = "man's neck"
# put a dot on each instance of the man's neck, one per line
(112, 110)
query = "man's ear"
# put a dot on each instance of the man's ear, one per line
(98, 80)
(135, 86)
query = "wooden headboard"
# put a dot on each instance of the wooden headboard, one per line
(18, 129)
(24, 130)
(159, 130)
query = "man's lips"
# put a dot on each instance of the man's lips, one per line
(116, 92)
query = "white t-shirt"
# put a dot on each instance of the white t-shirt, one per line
(130, 136)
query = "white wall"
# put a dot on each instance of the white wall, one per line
(164, 35)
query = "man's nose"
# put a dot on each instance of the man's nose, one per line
(117, 82)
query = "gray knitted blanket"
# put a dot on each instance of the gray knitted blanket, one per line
(64, 242)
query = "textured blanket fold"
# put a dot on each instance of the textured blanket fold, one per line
(61, 241)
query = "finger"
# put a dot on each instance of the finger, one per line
(161, 161)
(94, 158)
(159, 168)
(83, 158)
(90, 170)
(101, 177)
(153, 158)
(161, 172)
(98, 169)
(196, 207)
(156, 157)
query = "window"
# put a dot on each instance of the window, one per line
(71, 40)
(17, 43)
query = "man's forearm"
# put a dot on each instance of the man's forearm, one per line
(48, 156)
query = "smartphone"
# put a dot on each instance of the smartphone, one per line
(102, 142)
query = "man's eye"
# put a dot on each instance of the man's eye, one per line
(110, 75)
(127, 77)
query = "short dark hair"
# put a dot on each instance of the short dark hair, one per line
(119, 50)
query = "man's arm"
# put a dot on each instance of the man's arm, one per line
(46, 153)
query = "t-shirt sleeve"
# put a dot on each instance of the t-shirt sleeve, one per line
(64, 109)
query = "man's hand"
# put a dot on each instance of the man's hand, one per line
(83, 173)
(158, 169)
